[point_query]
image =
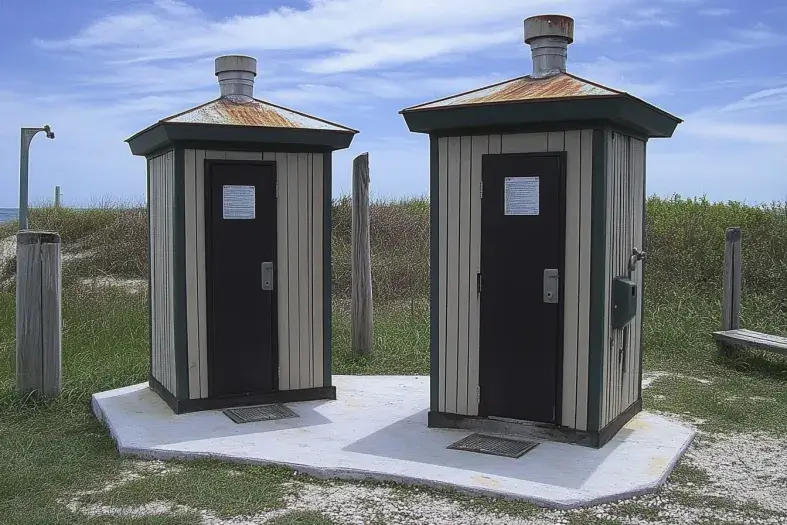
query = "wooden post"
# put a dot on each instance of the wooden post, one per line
(57, 196)
(362, 311)
(38, 317)
(731, 304)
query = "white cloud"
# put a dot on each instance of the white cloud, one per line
(624, 76)
(759, 37)
(716, 11)
(368, 32)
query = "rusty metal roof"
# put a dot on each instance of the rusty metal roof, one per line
(247, 111)
(524, 89)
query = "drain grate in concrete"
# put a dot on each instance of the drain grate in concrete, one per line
(496, 446)
(259, 413)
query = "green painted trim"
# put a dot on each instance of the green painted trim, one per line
(538, 127)
(184, 406)
(434, 274)
(598, 248)
(150, 275)
(179, 301)
(225, 145)
(327, 273)
(642, 262)
(608, 432)
(163, 133)
(622, 110)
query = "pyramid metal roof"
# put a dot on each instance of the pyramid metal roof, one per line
(242, 119)
(561, 99)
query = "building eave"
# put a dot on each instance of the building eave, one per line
(620, 109)
(161, 134)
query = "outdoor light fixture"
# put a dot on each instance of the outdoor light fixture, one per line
(24, 154)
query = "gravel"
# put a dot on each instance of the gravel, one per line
(745, 471)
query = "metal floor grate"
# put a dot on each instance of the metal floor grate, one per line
(496, 446)
(259, 413)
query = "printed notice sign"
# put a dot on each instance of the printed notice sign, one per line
(521, 196)
(238, 202)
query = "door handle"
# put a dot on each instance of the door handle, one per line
(267, 276)
(551, 285)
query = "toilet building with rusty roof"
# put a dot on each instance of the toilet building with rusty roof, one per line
(239, 203)
(537, 221)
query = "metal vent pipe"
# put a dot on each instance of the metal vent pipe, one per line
(236, 75)
(549, 37)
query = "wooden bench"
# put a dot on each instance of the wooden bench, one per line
(751, 339)
(731, 333)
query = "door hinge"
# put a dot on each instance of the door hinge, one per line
(478, 394)
(482, 188)
(479, 281)
(277, 188)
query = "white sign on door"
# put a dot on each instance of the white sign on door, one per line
(238, 202)
(521, 196)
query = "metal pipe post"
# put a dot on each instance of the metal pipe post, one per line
(27, 135)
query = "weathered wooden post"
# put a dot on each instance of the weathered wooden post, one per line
(362, 311)
(731, 305)
(38, 316)
(57, 196)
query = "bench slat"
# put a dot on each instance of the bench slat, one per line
(753, 339)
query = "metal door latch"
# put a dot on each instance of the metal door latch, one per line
(551, 285)
(267, 276)
(636, 256)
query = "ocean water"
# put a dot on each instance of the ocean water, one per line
(8, 214)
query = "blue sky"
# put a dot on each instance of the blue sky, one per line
(98, 71)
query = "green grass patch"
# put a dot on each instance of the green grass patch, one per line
(684, 473)
(227, 490)
(743, 390)
(301, 518)
(401, 340)
(637, 510)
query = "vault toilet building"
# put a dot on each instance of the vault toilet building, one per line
(537, 198)
(239, 200)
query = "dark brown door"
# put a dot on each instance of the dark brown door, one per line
(240, 231)
(522, 239)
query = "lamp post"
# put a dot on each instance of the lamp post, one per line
(24, 157)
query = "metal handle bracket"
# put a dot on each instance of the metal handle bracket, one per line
(267, 276)
(551, 285)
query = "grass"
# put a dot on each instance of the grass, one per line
(52, 450)
(237, 491)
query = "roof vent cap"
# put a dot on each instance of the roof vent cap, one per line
(236, 75)
(549, 37)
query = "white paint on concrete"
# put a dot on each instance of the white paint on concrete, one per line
(377, 430)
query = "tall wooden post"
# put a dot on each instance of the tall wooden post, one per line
(38, 316)
(731, 303)
(362, 311)
(57, 196)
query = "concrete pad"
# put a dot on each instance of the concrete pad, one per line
(376, 429)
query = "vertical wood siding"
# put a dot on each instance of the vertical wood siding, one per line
(459, 225)
(161, 171)
(299, 266)
(625, 201)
